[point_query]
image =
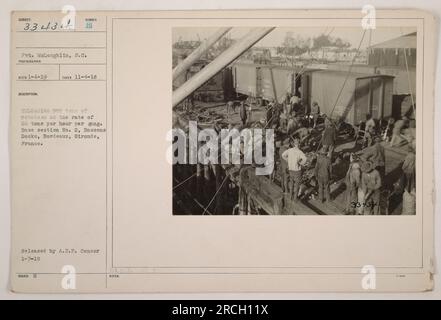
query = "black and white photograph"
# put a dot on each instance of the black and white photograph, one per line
(127, 128)
(294, 121)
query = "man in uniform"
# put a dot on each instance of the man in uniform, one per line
(376, 155)
(288, 108)
(369, 129)
(329, 137)
(287, 99)
(295, 104)
(370, 184)
(396, 131)
(274, 123)
(323, 171)
(315, 112)
(230, 108)
(352, 181)
(283, 121)
(284, 166)
(243, 113)
(409, 168)
(250, 102)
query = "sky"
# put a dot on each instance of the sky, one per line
(275, 38)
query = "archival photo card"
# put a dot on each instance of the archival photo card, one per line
(222, 151)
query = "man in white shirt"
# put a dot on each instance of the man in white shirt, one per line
(295, 159)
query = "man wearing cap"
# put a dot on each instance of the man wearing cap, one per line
(352, 180)
(302, 133)
(288, 109)
(274, 123)
(329, 136)
(370, 185)
(294, 101)
(323, 171)
(295, 159)
(376, 155)
(409, 168)
(283, 121)
(250, 107)
(284, 165)
(287, 99)
(243, 113)
(315, 112)
(230, 107)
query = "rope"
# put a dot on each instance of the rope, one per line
(370, 38)
(217, 191)
(303, 69)
(197, 202)
(408, 79)
(344, 83)
(319, 145)
(268, 121)
(182, 182)
(348, 73)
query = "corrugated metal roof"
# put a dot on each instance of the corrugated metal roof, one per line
(406, 41)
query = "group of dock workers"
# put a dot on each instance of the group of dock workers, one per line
(308, 130)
